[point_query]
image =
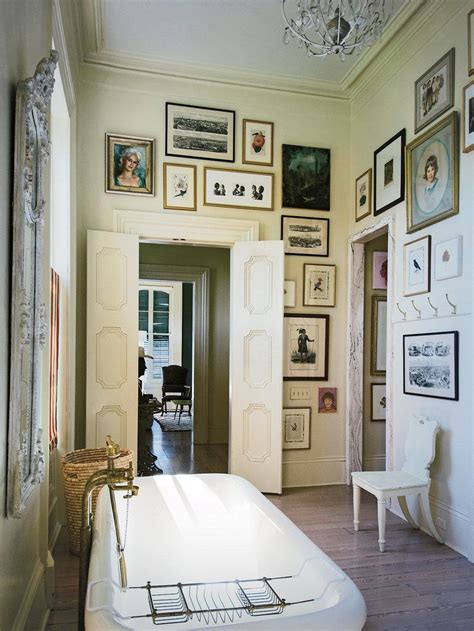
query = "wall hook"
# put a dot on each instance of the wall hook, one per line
(435, 309)
(416, 309)
(453, 312)
(404, 313)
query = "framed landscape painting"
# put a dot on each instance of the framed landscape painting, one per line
(389, 173)
(296, 428)
(306, 177)
(305, 236)
(434, 91)
(432, 175)
(430, 364)
(200, 132)
(129, 164)
(305, 347)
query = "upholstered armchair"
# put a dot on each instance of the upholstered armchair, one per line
(174, 385)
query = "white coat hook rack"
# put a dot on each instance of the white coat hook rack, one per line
(404, 313)
(435, 309)
(416, 309)
(454, 307)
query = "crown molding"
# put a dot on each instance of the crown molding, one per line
(59, 39)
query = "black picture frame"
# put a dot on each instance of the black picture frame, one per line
(430, 359)
(308, 249)
(303, 322)
(389, 167)
(211, 126)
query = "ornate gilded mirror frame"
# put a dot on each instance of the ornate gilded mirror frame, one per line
(28, 322)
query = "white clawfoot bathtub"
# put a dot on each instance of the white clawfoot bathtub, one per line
(209, 528)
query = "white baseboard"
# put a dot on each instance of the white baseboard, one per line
(313, 472)
(29, 597)
(54, 536)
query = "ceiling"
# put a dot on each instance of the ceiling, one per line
(206, 38)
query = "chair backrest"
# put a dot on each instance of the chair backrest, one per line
(420, 447)
(174, 375)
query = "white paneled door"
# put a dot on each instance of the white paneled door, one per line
(112, 338)
(256, 363)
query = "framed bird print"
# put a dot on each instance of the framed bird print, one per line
(319, 285)
(416, 266)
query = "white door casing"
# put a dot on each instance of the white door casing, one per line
(256, 363)
(112, 339)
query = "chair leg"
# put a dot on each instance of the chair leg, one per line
(402, 500)
(356, 502)
(426, 512)
(381, 521)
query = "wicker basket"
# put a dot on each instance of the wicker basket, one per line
(78, 466)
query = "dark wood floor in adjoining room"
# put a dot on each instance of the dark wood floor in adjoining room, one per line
(417, 584)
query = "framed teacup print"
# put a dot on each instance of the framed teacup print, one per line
(389, 173)
(363, 195)
(307, 236)
(238, 188)
(468, 118)
(417, 266)
(434, 91)
(257, 142)
(319, 285)
(179, 186)
(305, 347)
(448, 258)
(296, 428)
(432, 175)
(129, 164)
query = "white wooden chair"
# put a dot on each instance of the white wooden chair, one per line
(413, 479)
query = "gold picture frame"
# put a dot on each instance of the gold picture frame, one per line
(378, 346)
(470, 42)
(179, 186)
(319, 285)
(238, 188)
(363, 195)
(120, 177)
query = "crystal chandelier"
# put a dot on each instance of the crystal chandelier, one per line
(326, 27)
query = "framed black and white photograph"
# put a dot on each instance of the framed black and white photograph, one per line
(296, 428)
(319, 285)
(129, 164)
(434, 91)
(363, 195)
(468, 118)
(305, 347)
(306, 177)
(289, 293)
(378, 351)
(430, 364)
(307, 236)
(378, 402)
(179, 186)
(448, 258)
(470, 42)
(389, 173)
(200, 132)
(432, 175)
(257, 142)
(417, 266)
(237, 188)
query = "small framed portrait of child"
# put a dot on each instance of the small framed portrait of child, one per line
(327, 400)
(129, 164)
(257, 142)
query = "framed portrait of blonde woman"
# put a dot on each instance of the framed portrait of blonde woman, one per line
(129, 165)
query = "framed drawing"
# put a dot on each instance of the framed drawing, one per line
(378, 351)
(417, 266)
(305, 347)
(327, 400)
(434, 91)
(363, 195)
(240, 189)
(296, 428)
(468, 118)
(306, 177)
(448, 258)
(430, 364)
(307, 236)
(179, 186)
(257, 142)
(289, 293)
(470, 42)
(319, 282)
(200, 132)
(432, 175)
(389, 173)
(378, 402)
(129, 164)
(379, 270)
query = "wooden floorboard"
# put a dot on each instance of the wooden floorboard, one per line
(416, 585)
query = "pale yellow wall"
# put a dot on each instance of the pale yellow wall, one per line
(217, 260)
(380, 110)
(134, 104)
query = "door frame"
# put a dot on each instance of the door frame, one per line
(199, 276)
(355, 344)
